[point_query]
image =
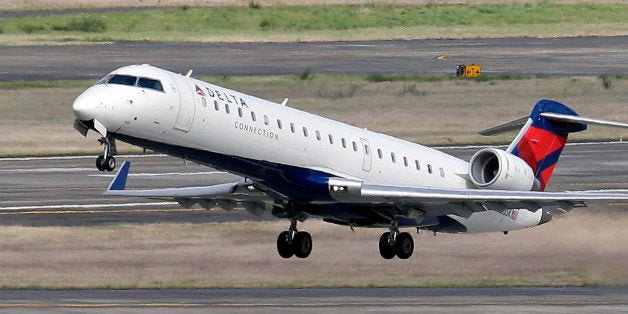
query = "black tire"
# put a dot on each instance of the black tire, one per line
(404, 245)
(284, 245)
(100, 163)
(385, 249)
(110, 163)
(302, 244)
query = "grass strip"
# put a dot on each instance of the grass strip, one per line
(311, 22)
(573, 251)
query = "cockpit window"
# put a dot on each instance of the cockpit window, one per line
(105, 79)
(132, 81)
(122, 80)
(150, 83)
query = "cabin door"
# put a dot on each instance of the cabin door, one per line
(187, 106)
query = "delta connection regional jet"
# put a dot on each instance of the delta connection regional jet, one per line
(298, 165)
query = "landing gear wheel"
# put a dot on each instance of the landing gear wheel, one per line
(404, 245)
(106, 160)
(386, 250)
(100, 163)
(110, 163)
(302, 245)
(284, 245)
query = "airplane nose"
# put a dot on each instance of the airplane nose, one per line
(84, 107)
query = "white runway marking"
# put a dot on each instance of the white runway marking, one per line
(46, 170)
(75, 157)
(86, 206)
(148, 174)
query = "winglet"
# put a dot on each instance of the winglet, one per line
(119, 181)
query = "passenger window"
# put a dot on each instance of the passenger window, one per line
(417, 165)
(266, 121)
(331, 139)
(216, 105)
(367, 150)
(405, 161)
(429, 169)
(122, 80)
(227, 108)
(253, 116)
(355, 147)
(279, 124)
(318, 135)
(292, 127)
(150, 83)
(393, 158)
(344, 143)
(204, 101)
(380, 153)
(442, 172)
(240, 113)
(305, 131)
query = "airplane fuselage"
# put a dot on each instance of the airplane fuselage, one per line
(290, 154)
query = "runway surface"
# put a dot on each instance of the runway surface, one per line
(402, 300)
(561, 56)
(66, 191)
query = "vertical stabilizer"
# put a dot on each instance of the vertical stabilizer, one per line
(541, 140)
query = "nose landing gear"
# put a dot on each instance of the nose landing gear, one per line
(106, 160)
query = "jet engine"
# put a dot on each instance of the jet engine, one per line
(496, 169)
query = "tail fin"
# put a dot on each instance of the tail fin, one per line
(542, 138)
(543, 135)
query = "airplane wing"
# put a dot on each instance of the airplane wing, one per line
(227, 196)
(462, 202)
(431, 201)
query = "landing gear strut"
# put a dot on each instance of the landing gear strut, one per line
(396, 243)
(106, 160)
(293, 242)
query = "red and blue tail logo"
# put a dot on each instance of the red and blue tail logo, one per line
(541, 140)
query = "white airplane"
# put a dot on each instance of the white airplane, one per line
(298, 165)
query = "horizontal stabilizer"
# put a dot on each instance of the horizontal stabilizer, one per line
(580, 119)
(515, 124)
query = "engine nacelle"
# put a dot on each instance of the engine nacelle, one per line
(496, 169)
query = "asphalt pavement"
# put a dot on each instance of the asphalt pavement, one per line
(516, 56)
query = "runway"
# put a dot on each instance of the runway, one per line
(543, 56)
(402, 300)
(67, 191)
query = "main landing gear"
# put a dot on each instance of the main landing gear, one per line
(293, 242)
(396, 243)
(106, 160)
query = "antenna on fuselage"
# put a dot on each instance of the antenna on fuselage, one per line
(284, 102)
(188, 73)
